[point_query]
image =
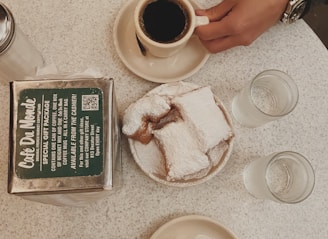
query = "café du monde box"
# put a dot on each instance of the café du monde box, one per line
(64, 137)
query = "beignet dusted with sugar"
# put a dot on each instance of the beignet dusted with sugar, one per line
(183, 157)
(139, 116)
(199, 109)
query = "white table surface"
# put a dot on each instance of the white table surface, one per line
(76, 35)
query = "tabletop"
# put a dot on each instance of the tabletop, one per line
(76, 35)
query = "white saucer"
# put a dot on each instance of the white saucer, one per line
(160, 70)
(193, 226)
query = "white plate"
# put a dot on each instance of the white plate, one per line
(150, 159)
(193, 227)
(161, 70)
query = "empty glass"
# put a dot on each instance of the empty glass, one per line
(285, 177)
(271, 95)
(18, 57)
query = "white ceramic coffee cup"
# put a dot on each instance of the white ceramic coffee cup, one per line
(159, 49)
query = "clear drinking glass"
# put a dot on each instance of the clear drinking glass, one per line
(285, 177)
(18, 56)
(271, 95)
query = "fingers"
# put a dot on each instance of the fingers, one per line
(222, 44)
(217, 12)
(219, 45)
(220, 24)
(215, 30)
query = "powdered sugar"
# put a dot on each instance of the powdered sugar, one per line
(199, 109)
(152, 106)
(181, 150)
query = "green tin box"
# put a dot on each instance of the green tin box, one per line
(64, 140)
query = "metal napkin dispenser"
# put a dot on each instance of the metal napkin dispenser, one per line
(64, 139)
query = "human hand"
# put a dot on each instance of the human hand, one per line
(238, 22)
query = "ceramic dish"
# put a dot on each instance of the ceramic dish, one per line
(161, 70)
(193, 227)
(149, 157)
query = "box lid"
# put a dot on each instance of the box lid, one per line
(62, 134)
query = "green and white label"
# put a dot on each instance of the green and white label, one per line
(59, 133)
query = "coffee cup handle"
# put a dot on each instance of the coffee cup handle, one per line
(201, 20)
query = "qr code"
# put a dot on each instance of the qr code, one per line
(90, 102)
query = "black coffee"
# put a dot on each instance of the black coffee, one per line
(164, 21)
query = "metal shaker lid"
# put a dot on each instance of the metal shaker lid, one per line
(7, 27)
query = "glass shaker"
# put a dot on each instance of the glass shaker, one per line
(18, 57)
